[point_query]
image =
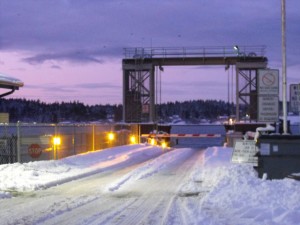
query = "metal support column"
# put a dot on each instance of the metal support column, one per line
(138, 93)
(237, 100)
(246, 88)
(152, 117)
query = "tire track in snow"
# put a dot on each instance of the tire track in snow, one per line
(146, 202)
(155, 214)
(173, 214)
(151, 167)
(111, 215)
(156, 204)
(146, 197)
(182, 210)
(57, 209)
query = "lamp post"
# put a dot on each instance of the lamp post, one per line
(283, 44)
(56, 143)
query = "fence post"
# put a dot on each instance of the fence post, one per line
(93, 137)
(74, 139)
(54, 145)
(18, 143)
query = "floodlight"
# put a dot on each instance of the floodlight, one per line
(133, 139)
(163, 144)
(111, 136)
(237, 49)
(56, 141)
(152, 141)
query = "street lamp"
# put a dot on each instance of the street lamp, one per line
(133, 139)
(111, 136)
(56, 142)
(237, 49)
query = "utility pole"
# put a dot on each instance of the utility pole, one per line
(283, 43)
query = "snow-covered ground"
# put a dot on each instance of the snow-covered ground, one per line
(142, 184)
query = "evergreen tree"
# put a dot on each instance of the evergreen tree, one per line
(37, 111)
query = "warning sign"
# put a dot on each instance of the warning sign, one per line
(268, 82)
(35, 150)
(295, 98)
(268, 108)
(268, 91)
(244, 152)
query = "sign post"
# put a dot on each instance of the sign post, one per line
(35, 150)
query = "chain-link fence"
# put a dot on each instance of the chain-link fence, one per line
(33, 142)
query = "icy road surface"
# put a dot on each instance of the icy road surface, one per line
(143, 184)
(141, 193)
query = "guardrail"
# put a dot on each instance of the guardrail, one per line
(181, 135)
(210, 51)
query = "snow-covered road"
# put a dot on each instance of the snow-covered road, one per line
(136, 193)
(142, 184)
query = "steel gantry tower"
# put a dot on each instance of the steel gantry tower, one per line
(138, 92)
(139, 66)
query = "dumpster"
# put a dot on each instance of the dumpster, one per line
(278, 155)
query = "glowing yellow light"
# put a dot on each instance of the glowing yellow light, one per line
(111, 136)
(56, 140)
(163, 144)
(152, 142)
(132, 140)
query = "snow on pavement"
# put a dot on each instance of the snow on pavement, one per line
(150, 168)
(216, 191)
(43, 174)
(235, 195)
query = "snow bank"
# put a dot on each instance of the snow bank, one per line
(234, 193)
(43, 174)
(239, 194)
(226, 193)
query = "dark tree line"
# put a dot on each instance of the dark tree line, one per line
(37, 111)
(196, 110)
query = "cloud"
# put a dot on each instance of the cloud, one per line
(73, 88)
(90, 32)
(76, 57)
(98, 86)
(72, 30)
(49, 91)
(51, 87)
(55, 67)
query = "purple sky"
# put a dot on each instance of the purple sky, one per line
(71, 50)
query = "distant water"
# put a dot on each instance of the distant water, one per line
(198, 142)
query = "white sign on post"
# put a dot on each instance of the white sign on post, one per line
(268, 108)
(268, 82)
(295, 97)
(244, 152)
(268, 90)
